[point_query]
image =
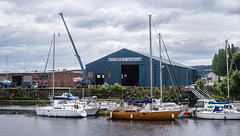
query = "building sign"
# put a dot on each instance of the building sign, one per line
(125, 59)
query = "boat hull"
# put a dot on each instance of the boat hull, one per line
(61, 113)
(91, 111)
(219, 116)
(135, 115)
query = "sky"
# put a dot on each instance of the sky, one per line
(193, 30)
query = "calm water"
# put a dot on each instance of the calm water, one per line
(26, 123)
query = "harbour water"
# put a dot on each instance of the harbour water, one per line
(25, 123)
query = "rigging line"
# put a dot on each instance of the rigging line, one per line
(141, 38)
(168, 59)
(234, 60)
(171, 65)
(46, 66)
(48, 55)
(155, 31)
(172, 82)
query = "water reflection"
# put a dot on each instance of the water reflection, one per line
(25, 122)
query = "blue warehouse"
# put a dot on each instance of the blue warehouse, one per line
(130, 68)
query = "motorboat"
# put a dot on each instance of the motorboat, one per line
(63, 110)
(88, 103)
(59, 107)
(220, 112)
(204, 104)
(6, 83)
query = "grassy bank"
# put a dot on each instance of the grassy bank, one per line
(24, 102)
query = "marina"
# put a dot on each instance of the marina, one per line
(26, 122)
(174, 80)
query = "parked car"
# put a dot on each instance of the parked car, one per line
(42, 86)
(34, 85)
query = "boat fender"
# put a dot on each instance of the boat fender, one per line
(172, 115)
(110, 114)
(131, 116)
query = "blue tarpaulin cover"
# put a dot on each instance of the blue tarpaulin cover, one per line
(227, 102)
(149, 100)
(217, 108)
(69, 95)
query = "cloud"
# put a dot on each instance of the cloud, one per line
(193, 31)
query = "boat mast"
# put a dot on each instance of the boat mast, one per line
(150, 39)
(160, 62)
(227, 70)
(6, 67)
(53, 61)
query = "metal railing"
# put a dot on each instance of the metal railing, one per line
(201, 94)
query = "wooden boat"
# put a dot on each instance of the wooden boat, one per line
(148, 111)
(137, 114)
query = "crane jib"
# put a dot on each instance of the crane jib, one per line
(74, 47)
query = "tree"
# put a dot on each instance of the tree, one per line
(234, 85)
(219, 61)
(236, 58)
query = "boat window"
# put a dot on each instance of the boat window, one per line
(62, 102)
(226, 107)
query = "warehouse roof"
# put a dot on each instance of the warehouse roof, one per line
(146, 55)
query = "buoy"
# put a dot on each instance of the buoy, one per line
(186, 112)
(110, 114)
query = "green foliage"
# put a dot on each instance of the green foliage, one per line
(219, 61)
(156, 93)
(235, 85)
(104, 92)
(20, 92)
(236, 57)
(200, 83)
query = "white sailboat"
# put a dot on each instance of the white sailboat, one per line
(221, 110)
(60, 108)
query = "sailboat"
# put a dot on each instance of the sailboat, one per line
(146, 109)
(60, 108)
(6, 82)
(221, 110)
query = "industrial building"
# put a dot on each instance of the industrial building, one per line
(61, 78)
(130, 68)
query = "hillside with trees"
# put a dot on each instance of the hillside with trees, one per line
(203, 70)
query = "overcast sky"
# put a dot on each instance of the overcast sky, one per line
(193, 30)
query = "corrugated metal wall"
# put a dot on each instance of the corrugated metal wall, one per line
(110, 66)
